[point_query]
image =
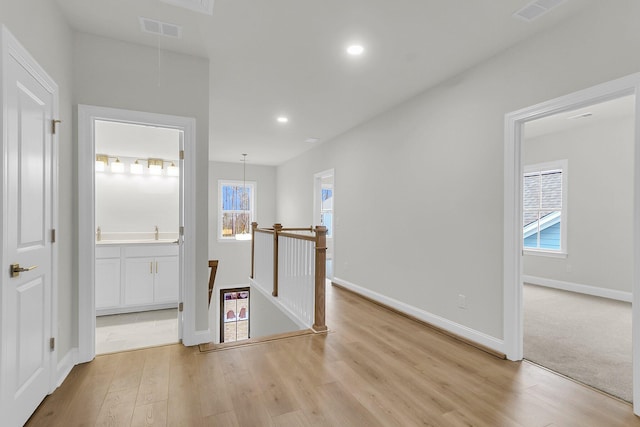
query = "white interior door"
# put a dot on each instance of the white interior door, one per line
(26, 295)
(323, 210)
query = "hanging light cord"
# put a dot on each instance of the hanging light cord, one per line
(244, 190)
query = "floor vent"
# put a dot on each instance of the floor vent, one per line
(202, 6)
(160, 28)
(536, 9)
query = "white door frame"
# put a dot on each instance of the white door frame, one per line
(11, 47)
(513, 167)
(317, 187)
(86, 217)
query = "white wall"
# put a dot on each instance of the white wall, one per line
(600, 203)
(137, 203)
(43, 31)
(234, 257)
(439, 158)
(266, 318)
(115, 74)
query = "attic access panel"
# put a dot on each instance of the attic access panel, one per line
(201, 6)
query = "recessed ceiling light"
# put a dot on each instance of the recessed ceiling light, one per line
(311, 140)
(355, 50)
(282, 119)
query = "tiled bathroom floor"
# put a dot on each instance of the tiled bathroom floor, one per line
(121, 332)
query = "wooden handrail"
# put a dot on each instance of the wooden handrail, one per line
(283, 229)
(320, 239)
(298, 236)
(213, 264)
(264, 230)
(276, 230)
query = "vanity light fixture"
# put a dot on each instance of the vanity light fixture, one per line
(136, 168)
(117, 166)
(173, 170)
(155, 166)
(102, 160)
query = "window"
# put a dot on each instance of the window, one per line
(236, 208)
(234, 314)
(544, 207)
(326, 209)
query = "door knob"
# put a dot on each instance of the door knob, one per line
(16, 269)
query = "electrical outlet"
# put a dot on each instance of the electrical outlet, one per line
(462, 301)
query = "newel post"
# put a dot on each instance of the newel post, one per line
(276, 229)
(254, 225)
(320, 284)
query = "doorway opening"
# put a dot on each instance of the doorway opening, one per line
(150, 257)
(577, 250)
(234, 314)
(515, 124)
(323, 212)
(137, 217)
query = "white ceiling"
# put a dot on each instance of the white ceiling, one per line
(273, 57)
(138, 141)
(618, 108)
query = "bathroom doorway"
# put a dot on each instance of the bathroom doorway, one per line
(137, 217)
(148, 260)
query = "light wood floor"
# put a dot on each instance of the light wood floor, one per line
(375, 368)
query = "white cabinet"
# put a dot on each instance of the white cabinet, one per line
(136, 277)
(150, 280)
(107, 283)
(165, 287)
(138, 281)
(107, 278)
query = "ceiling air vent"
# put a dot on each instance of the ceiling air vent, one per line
(536, 9)
(202, 6)
(160, 28)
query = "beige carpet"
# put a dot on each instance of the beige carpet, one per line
(583, 337)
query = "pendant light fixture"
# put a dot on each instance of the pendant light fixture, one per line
(245, 235)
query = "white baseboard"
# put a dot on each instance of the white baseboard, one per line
(65, 365)
(198, 337)
(435, 320)
(135, 308)
(577, 287)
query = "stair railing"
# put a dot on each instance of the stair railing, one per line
(290, 263)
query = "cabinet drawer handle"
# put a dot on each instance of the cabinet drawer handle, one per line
(156, 267)
(151, 267)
